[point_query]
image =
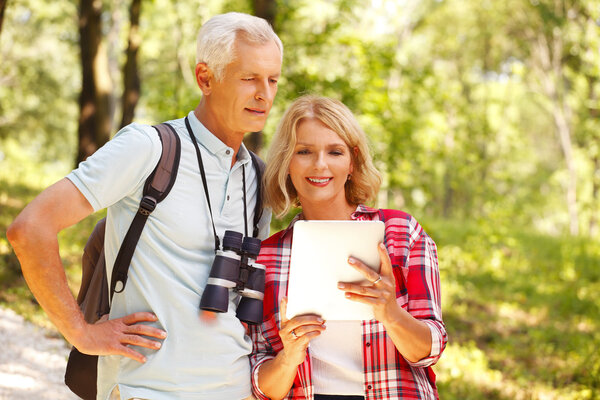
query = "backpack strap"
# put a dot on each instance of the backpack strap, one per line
(259, 167)
(157, 187)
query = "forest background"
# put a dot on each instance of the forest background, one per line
(483, 118)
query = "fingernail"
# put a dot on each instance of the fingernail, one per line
(321, 320)
(157, 345)
(341, 285)
(347, 295)
(382, 246)
(351, 260)
(163, 335)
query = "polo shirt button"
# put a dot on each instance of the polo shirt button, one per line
(369, 387)
(227, 197)
(368, 344)
(227, 151)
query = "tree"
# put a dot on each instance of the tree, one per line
(95, 122)
(131, 78)
(2, 8)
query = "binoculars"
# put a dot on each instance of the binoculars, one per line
(234, 268)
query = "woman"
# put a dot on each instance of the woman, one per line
(319, 160)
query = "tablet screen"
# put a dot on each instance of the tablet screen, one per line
(319, 260)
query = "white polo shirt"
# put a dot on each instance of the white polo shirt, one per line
(172, 261)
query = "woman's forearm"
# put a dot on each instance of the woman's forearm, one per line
(411, 337)
(276, 376)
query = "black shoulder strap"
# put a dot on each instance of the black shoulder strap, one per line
(259, 167)
(157, 187)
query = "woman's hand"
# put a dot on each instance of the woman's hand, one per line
(411, 337)
(297, 333)
(380, 294)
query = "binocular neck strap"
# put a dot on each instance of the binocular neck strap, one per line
(205, 185)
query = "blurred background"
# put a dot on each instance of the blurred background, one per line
(483, 117)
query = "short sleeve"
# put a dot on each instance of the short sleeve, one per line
(120, 167)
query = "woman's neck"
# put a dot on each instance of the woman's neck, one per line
(327, 212)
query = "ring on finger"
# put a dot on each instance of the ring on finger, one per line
(294, 334)
(377, 280)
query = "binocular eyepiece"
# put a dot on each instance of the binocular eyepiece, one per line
(235, 268)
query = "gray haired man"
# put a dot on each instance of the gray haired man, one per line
(155, 345)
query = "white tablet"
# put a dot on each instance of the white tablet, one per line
(319, 260)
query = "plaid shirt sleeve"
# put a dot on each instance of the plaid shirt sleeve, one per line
(423, 289)
(413, 254)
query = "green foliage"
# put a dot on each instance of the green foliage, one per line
(520, 312)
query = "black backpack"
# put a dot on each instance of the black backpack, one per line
(95, 292)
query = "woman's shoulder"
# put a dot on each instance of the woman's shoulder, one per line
(274, 239)
(400, 222)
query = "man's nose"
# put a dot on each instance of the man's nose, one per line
(264, 91)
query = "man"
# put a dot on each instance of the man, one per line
(155, 345)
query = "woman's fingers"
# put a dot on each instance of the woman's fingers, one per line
(386, 264)
(283, 310)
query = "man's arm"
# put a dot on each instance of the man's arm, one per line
(33, 235)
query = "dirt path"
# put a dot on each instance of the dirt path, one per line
(32, 364)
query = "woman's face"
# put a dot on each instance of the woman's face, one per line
(320, 165)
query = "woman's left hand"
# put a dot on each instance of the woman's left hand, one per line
(380, 293)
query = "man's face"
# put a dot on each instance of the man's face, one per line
(241, 101)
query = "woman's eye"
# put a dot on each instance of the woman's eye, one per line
(337, 152)
(302, 151)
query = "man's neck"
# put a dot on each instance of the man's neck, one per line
(210, 122)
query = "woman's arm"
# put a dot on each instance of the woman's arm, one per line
(276, 376)
(411, 337)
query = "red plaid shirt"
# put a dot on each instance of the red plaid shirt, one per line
(387, 375)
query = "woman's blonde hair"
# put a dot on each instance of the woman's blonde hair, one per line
(364, 184)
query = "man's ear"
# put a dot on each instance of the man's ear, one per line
(204, 77)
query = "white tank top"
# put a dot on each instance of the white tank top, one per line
(337, 359)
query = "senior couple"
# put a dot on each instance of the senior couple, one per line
(155, 343)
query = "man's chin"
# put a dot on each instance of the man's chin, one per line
(255, 127)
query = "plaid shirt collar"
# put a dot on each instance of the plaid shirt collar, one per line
(361, 213)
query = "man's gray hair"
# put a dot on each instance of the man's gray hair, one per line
(216, 37)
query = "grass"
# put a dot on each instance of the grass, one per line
(521, 309)
(522, 314)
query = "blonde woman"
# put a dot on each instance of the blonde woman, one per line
(319, 160)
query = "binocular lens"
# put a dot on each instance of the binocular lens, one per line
(234, 268)
(250, 309)
(223, 276)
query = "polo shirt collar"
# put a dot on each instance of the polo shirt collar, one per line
(212, 143)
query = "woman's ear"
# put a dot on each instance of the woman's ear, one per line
(204, 78)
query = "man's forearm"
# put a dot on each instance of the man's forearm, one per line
(33, 236)
(44, 273)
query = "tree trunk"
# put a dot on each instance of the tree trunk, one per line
(96, 87)
(595, 200)
(548, 52)
(131, 78)
(2, 8)
(266, 9)
(594, 114)
(564, 133)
